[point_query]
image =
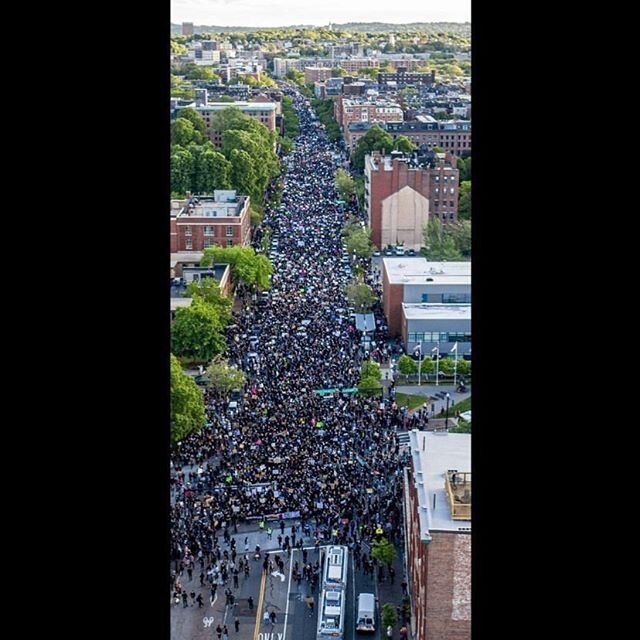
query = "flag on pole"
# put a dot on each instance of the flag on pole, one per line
(435, 349)
(454, 348)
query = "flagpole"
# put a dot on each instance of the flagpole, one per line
(420, 364)
(437, 364)
(455, 365)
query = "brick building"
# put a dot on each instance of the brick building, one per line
(451, 135)
(263, 112)
(402, 78)
(438, 534)
(354, 65)
(187, 28)
(397, 216)
(348, 110)
(203, 221)
(414, 280)
(316, 74)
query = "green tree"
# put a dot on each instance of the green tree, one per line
(446, 366)
(439, 243)
(463, 367)
(246, 266)
(383, 551)
(183, 132)
(369, 387)
(243, 176)
(404, 144)
(389, 615)
(427, 366)
(370, 369)
(375, 139)
(194, 72)
(196, 331)
(464, 200)
(345, 184)
(194, 118)
(461, 234)
(338, 72)
(209, 291)
(407, 365)
(224, 377)
(181, 169)
(464, 167)
(286, 146)
(360, 297)
(187, 404)
(359, 242)
(215, 171)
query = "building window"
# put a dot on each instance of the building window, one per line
(451, 203)
(229, 233)
(452, 190)
(437, 178)
(436, 203)
(229, 243)
(209, 230)
(188, 244)
(187, 230)
(208, 242)
(437, 189)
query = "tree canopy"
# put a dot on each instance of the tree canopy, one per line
(246, 265)
(187, 404)
(197, 331)
(375, 139)
(345, 184)
(361, 297)
(223, 377)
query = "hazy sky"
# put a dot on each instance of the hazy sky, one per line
(277, 13)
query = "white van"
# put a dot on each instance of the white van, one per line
(366, 620)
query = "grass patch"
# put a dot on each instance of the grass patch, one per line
(462, 406)
(411, 401)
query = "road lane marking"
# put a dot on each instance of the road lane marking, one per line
(286, 612)
(256, 630)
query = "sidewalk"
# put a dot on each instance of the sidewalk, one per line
(392, 593)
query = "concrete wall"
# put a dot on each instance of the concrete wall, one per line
(404, 215)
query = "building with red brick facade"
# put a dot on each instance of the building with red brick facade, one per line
(348, 110)
(397, 215)
(316, 74)
(202, 221)
(438, 534)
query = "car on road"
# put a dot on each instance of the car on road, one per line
(201, 380)
(376, 254)
(466, 415)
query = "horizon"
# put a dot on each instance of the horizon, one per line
(238, 13)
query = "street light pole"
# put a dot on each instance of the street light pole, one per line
(446, 417)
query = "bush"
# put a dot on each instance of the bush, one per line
(389, 616)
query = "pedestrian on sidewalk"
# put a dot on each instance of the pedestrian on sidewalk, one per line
(250, 601)
(185, 599)
(225, 633)
(200, 601)
(236, 622)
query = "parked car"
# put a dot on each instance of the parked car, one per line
(376, 254)
(202, 380)
(411, 252)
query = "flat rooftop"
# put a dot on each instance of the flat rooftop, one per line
(426, 311)
(176, 303)
(435, 454)
(186, 256)
(243, 106)
(416, 270)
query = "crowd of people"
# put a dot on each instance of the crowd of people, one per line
(331, 460)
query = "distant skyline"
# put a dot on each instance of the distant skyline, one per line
(280, 13)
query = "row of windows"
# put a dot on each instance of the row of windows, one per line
(436, 203)
(455, 298)
(444, 191)
(208, 242)
(209, 230)
(440, 336)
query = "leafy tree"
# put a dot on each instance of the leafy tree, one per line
(427, 365)
(389, 615)
(183, 132)
(243, 173)
(383, 551)
(361, 297)
(359, 242)
(345, 184)
(178, 49)
(439, 243)
(404, 144)
(291, 120)
(370, 369)
(464, 167)
(463, 367)
(194, 118)
(286, 145)
(187, 404)
(446, 366)
(197, 331)
(407, 365)
(195, 72)
(461, 234)
(256, 217)
(375, 139)
(208, 290)
(338, 72)
(369, 387)
(181, 169)
(246, 266)
(215, 171)
(224, 377)
(464, 200)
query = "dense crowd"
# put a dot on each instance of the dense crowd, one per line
(332, 459)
